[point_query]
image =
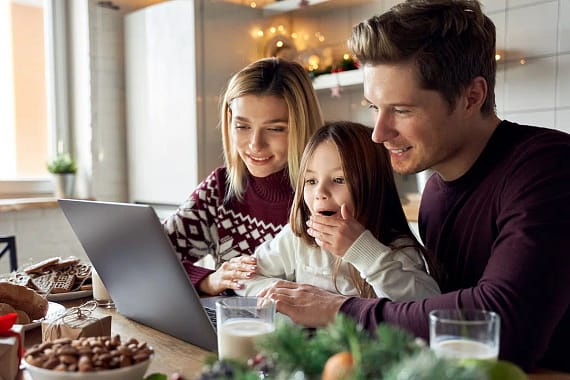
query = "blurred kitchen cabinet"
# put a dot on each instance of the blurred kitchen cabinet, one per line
(178, 57)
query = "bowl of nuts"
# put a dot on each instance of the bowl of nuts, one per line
(90, 358)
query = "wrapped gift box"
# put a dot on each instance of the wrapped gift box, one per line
(10, 345)
(9, 361)
(74, 327)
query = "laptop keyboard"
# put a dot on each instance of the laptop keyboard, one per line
(211, 315)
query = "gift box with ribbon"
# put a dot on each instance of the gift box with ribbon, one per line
(10, 347)
(76, 322)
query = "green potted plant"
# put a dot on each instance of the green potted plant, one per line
(63, 169)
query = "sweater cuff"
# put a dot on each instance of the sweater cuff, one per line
(365, 251)
(196, 273)
(367, 312)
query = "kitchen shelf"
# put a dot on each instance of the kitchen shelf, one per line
(343, 78)
(286, 6)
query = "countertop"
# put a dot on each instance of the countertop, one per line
(410, 204)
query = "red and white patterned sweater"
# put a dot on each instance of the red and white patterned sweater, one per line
(204, 225)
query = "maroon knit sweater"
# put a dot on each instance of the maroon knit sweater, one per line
(501, 234)
(205, 225)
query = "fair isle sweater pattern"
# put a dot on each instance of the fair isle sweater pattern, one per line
(204, 225)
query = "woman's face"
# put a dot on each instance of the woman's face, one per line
(259, 132)
(325, 188)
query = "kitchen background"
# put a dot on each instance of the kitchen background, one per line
(118, 51)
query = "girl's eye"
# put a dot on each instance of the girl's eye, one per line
(310, 181)
(277, 129)
(339, 180)
(240, 126)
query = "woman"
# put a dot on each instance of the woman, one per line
(269, 112)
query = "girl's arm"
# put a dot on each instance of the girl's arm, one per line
(399, 274)
(275, 260)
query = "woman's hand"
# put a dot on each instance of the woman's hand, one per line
(335, 235)
(229, 275)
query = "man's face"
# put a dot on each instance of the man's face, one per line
(415, 125)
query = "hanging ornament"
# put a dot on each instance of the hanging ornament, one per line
(336, 90)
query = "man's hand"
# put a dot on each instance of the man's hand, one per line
(335, 235)
(229, 275)
(304, 304)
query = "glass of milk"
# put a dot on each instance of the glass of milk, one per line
(463, 334)
(240, 321)
(100, 293)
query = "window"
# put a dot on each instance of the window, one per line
(25, 137)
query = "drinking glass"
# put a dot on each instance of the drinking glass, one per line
(100, 293)
(463, 334)
(241, 320)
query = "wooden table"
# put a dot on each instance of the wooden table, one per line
(170, 354)
(175, 355)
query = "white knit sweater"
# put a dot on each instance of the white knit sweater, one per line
(399, 275)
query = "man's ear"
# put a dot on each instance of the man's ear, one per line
(475, 94)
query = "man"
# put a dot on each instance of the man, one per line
(495, 217)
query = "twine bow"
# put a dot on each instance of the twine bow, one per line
(73, 317)
(6, 323)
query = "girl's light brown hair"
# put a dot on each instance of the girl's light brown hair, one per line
(370, 179)
(450, 42)
(271, 77)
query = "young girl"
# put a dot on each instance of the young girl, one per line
(345, 176)
(269, 112)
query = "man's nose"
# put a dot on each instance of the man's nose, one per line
(383, 128)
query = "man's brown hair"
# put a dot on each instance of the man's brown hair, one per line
(450, 42)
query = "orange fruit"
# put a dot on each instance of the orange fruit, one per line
(340, 366)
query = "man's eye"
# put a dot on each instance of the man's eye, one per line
(372, 107)
(401, 110)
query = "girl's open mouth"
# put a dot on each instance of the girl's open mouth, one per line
(327, 213)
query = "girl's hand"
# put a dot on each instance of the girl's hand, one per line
(335, 235)
(229, 275)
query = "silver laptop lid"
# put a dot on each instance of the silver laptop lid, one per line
(128, 247)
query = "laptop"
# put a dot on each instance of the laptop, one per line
(128, 247)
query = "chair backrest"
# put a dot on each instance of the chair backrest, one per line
(8, 244)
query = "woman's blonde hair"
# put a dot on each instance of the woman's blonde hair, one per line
(271, 77)
(370, 180)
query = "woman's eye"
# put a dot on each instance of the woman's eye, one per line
(277, 129)
(240, 126)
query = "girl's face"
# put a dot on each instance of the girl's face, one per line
(324, 187)
(259, 132)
